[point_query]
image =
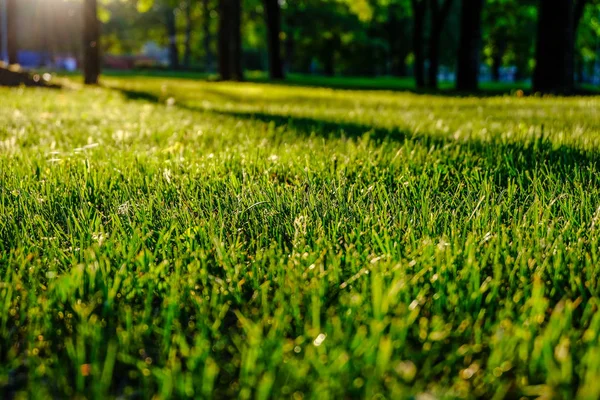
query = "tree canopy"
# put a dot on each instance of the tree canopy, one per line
(420, 38)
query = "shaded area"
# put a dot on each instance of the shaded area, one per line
(515, 156)
(512, 156)
(136, 95)
(20, 78)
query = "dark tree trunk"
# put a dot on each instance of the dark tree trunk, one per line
(236, 57)
(230, 40)
(554, 71)
(172, 34)
(187, 54)
(208, 56)
(225, 39)
(418, 40)
(11, 30)
(438, 20)
(91, 42)
(467, 73)
(273, 19)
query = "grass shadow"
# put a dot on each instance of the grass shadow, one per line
(527, 154)
(137, 95)
(512, 157)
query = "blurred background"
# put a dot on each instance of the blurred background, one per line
(426, 42)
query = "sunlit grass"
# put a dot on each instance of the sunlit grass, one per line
(196, 239)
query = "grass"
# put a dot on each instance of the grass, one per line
(170, 237)
(384, 83)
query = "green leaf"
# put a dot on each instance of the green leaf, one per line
(144, 5)
(103, 14)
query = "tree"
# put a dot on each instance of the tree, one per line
(470, 45)
(439, 16)
(230, 40)
(236, 58)
(273, 21)
(11, 31)
(172, 35)
(91, 42)
(555, 47)
(419, 9)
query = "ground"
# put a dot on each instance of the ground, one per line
(194, 239)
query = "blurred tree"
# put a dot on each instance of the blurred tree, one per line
(11, 31)
(91, 42)
(419, 9)
(467, 73)
(555, 48)
(439, 16)
(273, 21)
(171, 26)
(230, 40)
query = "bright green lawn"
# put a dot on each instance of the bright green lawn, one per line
(261, 241)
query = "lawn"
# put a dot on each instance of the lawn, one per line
(188, 239)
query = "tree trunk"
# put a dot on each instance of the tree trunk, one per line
(208, 57)
(91, 42)
(11, 31)
(554, 71)
(273, 19)
(230, 40)
(438, 20)
(224, 39)
(419, 9)
(187, 54)
(172, 34)
(467, 73)
(236, 57)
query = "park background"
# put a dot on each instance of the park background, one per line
(452, 43)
